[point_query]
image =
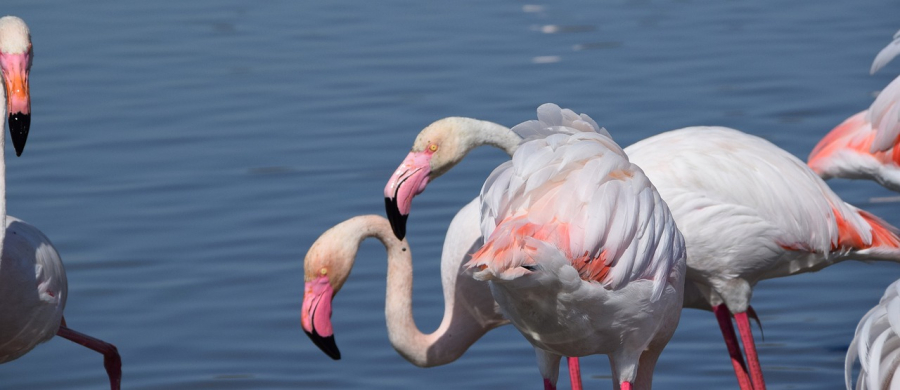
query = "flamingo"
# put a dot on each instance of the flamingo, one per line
(863, 146)
(877, 345)
(582, 254)
(438, 148)
(751, 211)
(33, 288)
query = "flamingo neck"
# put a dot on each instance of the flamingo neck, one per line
(476, 133)
(424, 350)
(467, 134)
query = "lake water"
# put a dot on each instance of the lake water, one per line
(184, 155)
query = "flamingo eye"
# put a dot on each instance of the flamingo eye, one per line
(323, 271)
(433, 148)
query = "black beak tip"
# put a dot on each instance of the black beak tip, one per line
(326, 344)
(398, 221)
(19, 124)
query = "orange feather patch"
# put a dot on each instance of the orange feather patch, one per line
(509, 238)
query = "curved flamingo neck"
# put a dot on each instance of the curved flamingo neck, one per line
(475, 133)
(421, 349)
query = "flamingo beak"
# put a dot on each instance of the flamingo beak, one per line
(15, 68)
(407, 181)
(315, 316)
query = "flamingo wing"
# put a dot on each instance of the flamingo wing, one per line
(571, 187)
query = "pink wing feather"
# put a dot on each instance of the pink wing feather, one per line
(572, 187)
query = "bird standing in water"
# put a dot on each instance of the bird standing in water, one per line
(582, 254)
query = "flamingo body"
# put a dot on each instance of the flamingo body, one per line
(582, 254)
(751, 211)
(33, 289)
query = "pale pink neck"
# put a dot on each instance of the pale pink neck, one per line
(420, 349)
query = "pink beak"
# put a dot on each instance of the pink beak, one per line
(315, 316)
(15, 68)
(407, 181)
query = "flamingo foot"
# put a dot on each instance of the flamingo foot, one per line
(574, 373)
(548, 385)
(723, 315)
(750, 347)
(111, 360)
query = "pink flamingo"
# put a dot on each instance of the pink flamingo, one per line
(466, 316)
(877, 345)
(582, 254)
(863, 146)
(751, 211)
(437, 149)
(33, 287)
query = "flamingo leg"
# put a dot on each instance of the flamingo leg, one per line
(756, 375)
(723, 315)
(574, 373)
(548, 385)
(111, 360)
(625, 386)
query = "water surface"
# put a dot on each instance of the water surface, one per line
(184, 155)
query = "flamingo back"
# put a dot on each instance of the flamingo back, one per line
(569, 186)
(721, 174)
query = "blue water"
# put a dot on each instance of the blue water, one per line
(184, 155)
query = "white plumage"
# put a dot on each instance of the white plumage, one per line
(33, 290)
(876, 345)
(582, 254)
(751, 211)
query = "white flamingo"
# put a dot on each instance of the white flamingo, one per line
(436, 149)
(582, 254)
(33, 287)
(877, 345)
(864, 145)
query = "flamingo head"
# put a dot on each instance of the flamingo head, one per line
(326, 267)
(439, 147)
(15, 64)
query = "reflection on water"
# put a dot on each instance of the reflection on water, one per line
(185, 155)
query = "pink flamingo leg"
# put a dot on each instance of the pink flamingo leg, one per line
(111, 359)
(548, 385)
(734, 350)
(574, 373)
(743, 324)
(625, 386)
